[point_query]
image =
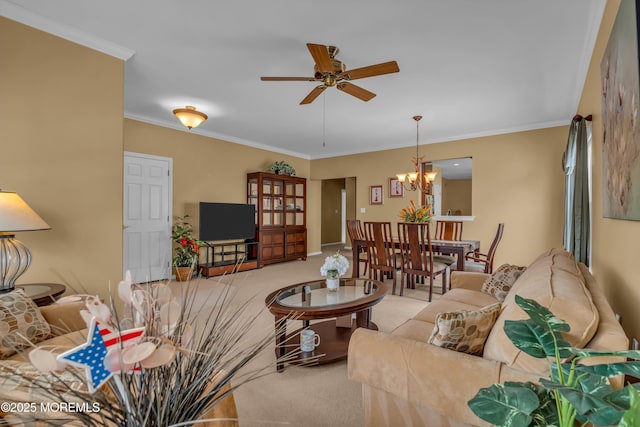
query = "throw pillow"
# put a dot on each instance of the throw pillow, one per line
(500, 282)
(20, 319)
(464, 331)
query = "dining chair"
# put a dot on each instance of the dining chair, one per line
(483, 263)
(355, 231)
(448, 230)
(381, 252)
(417, 257)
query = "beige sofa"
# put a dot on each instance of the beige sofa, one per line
(68, 329)
(406, 381)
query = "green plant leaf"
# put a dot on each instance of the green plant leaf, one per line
(631, 417)
(508, 405)
(613, 369)
(622, 396)
(541, 315)
(586, 352)
(597, 410)
(534, 339)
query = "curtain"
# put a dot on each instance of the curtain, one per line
(577, 206)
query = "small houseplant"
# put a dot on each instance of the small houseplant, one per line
(282, 168)
(334, 266)
(187, 248)
(414, 214)
(574, 392)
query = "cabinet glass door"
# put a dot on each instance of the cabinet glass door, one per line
(252, 195)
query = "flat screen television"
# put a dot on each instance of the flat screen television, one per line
(227, 221)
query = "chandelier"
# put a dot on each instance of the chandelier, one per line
(415, 180)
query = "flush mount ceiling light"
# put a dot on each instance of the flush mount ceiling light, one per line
(189, 116)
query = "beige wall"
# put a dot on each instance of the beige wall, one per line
(61, 109)
(615, 242)
(456, 195)
(514, 191)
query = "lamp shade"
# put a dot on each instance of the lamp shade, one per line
(16, 215)
(189, 116)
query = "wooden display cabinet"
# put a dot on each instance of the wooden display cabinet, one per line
(281, 204)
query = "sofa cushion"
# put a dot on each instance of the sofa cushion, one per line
(501, 281)
(58, 344)
(20, 319)
(464, 331)
(455, 300)
(416, 330)
(555, 282)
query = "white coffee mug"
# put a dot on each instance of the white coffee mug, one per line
(309, 340)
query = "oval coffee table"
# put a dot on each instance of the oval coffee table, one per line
(312, 301)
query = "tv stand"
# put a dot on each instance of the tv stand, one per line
(229, 256)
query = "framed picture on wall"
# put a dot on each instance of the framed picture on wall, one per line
(396, 188)
(375, 195)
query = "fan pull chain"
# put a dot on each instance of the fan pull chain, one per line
(324, 118)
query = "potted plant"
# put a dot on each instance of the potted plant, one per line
(187, 249)
(282, 168)
(574, 392)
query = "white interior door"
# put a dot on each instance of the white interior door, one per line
(147, 217)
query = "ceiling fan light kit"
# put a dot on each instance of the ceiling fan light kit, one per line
(189, 116)
(332, 72)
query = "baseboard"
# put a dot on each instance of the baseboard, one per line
(314, 253)
(332, 244)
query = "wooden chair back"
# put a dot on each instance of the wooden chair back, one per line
(492, 249)
(354, 229)
(381, 254)
(417, 255)
(448, 230)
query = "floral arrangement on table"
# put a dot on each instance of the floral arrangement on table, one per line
(334, 266)
(158, 363)
(187, 247)
(412, 213)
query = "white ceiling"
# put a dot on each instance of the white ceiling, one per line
(470, 67)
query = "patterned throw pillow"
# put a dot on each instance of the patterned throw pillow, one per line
(20, 317)
(464, 331)
(501, 281)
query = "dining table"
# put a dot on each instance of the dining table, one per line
(459, 248)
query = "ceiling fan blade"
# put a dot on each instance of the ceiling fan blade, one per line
(320, 55)
(313, 94)
(287, 79)
(356, 91)
(370, 71)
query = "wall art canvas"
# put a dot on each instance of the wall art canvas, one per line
(621, 130)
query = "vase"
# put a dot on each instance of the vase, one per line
(333, 282)
(183, 274)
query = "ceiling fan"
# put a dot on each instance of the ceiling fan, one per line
(332, 72)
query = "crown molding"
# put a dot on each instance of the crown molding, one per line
(24, 16)
(215, 135)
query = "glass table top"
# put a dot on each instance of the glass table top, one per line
(315, 294)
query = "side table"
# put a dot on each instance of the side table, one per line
(43, 293)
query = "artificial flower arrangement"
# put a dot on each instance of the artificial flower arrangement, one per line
(414, 214)
(334, 266)
(187, 247)
(158, 363)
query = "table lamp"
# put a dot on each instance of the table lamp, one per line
(15, 258)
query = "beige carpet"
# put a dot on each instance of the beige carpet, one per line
(302, 396)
